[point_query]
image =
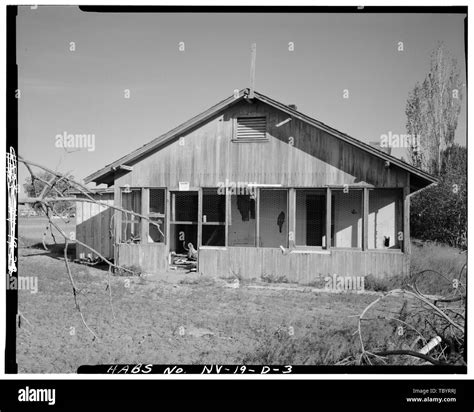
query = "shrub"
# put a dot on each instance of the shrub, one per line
(439, 213)
(440, 264)
(272, 278)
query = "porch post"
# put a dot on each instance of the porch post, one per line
(145, 211)
(167, 227)
(227, 215)
(328, 217)
(117, 224)
(118, 215)
(365, 219)
(406, 220)
(257, 217)
(291, 218)
(199, 234)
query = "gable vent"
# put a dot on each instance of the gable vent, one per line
(251, 128)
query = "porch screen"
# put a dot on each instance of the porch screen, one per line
(310, 217)
(346, 218)
(385, 219)
(131, 201)
(273, 218)
(156, 230)
(184, 221)
(242, 219)
(213, 218)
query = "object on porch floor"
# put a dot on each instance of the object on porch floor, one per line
(88, 260)
(183, 262)
(192, 253)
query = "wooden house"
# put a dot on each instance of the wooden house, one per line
(260, 189)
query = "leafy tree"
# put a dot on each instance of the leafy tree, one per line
(439, 213)
(432, 111)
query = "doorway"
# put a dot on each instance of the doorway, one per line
(184, 228)
(315, 219)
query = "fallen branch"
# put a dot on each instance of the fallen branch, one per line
(410, 353)
(440, 312)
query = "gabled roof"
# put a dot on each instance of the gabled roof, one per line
(419, 178)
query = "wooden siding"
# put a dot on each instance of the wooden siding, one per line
(93, 227)
(301, 267)
(296, 154)
(151, 258)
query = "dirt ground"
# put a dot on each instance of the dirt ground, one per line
(190, 320)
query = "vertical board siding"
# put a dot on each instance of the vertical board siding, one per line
(296, 154)
(304, 268)
(151, 257)
(92, 227)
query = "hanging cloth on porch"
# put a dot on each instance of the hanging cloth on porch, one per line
(246, 206)
(281, 220)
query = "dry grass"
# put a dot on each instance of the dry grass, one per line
(429, 258)
(446, 261)
(221, 325)
(149, 315)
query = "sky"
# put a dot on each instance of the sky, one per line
(83, 91)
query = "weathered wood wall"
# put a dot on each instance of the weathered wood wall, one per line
(304, 268)
(297, 154)
(151, 258)
(93, 226)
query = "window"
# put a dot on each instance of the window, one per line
(242, 223)
(184, 221)
(310, 217)
(346, 218)
(213, 218)
(157, 224)
(131, 201)
(385, 219)
(251, 129)
(273, 217)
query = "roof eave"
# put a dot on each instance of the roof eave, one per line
(351, 140)
(104, 175)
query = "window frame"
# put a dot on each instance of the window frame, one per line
(258, 215)
(333, 230)
(155, 215)
(124, 220)
(172, 212)
(208, 224)
(229, 214)
(400, 210)
(324, 239)
(290, 223)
